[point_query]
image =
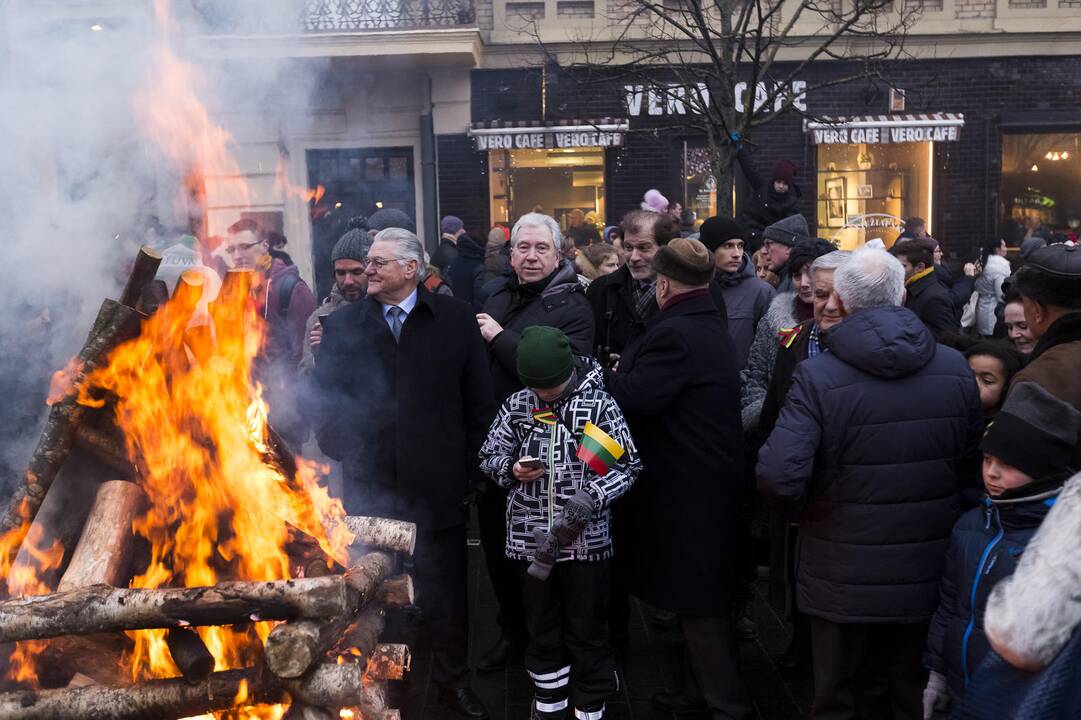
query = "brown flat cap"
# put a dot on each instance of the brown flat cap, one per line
(686, 261)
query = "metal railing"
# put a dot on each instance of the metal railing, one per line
(327, 16)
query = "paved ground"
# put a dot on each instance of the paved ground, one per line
(652, 664)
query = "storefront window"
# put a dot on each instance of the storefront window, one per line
(1041, 184)
(699, 184)
(866, 191)
(553, 181)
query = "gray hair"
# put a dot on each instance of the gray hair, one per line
(539, 220)
(870, 279)
(409, 248)
(831, 260)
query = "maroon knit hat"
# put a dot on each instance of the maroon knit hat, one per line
(785, 171)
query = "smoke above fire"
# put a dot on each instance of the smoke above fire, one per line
(100, 138)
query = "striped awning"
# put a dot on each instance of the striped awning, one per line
(880, 129)
(605, 124)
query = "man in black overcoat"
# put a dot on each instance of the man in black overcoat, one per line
(405, 401)
(679, 388)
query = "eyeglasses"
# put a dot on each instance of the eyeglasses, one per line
(381, 263)
(240, 247)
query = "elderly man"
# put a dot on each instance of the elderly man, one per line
(778, 240)
(865, 456)
(286, 302)
(543, 290)
(679, 389)
(407, 400)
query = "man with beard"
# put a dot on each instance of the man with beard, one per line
(349, 259)
(543, 290)
(406, 403)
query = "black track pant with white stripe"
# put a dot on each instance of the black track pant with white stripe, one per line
(569, 658)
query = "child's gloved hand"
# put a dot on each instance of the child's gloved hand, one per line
(935, 696)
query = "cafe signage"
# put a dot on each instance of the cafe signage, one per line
(885, 129)
(545, 138)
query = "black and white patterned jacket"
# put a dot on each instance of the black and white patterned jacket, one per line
(515, 434)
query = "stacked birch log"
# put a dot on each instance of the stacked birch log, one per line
(327, 611)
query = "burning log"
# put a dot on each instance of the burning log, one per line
(388, 662)
(328, 686)
(397, 592)
(190, 654)
(382, 533)
(101, 608)
(142, 273)
(293, 647)
(106, 446)
(103, 553)
(114, 324)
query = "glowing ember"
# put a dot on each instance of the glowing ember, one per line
(64, 382)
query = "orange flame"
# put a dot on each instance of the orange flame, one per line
(282, 185)
(64, 382)
(24, 578)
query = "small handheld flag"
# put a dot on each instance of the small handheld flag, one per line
(788, 336)
(545, 417)
(598, 450)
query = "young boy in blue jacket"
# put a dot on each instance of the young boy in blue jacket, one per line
(1027, 453)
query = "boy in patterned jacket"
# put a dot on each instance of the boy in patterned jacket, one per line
(563, 448)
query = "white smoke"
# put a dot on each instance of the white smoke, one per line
(82, 186)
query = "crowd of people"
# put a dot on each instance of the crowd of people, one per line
(639, 424)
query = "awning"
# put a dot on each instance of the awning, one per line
(880, 129)
(536, 134)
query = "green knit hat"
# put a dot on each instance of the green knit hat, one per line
(544, 357)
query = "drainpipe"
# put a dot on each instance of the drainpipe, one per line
(429, 181)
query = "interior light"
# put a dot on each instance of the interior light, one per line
(379, 204)
(97, 27)
(1035, 168)
(337, 205)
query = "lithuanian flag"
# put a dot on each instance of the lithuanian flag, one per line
(545, 416)
(598, 450)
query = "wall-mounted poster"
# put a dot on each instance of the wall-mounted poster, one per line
(835, 202)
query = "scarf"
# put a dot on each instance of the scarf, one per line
(1066, 329)
(644, 293)
(521, 294)
(813, 347)
(920, 275)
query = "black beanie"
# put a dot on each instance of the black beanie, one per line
(718, 230)
(1034, 432)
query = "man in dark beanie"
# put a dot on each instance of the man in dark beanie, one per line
(390, 218)
(1028, 451)
(777, 242)
(450, 229)
(771, 200)
(349, 258)
(746, 297)
(679, 388)
(563, 450)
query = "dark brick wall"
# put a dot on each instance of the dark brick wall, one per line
(966, 179)
(463, 183)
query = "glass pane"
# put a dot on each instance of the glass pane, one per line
(399, 169)
(1040, 190)
(865, 192)
(700, 187)
(373, 168)
(553, 181)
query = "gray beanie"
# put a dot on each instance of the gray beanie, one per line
(391, 218)
(355, 243)
(788, 231)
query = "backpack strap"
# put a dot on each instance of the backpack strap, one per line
(285, 293)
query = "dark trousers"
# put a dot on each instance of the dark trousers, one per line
(568, 656)
(713, 660)
(502, 571)
(867, 670)
(440, 571)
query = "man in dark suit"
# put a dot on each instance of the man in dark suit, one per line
(405, 401)
(679, 388)
(926, 296)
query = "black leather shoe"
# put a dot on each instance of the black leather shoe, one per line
(503, 654)
(463, 702)
(679, 704)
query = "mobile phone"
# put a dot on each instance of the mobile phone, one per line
(531, 463)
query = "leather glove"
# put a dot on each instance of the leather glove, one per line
(936, 699)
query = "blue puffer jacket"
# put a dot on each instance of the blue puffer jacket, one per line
(867, 454)
(985, 547)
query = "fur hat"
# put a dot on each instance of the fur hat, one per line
(686, 261)
(654, 201)
(1034, 431)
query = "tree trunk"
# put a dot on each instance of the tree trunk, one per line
(328, 686)
(397, 592)
(104, 609)
(142, 272)
(388, 662)
(383, 534)
(103, 553)
(115, 323)
(293, 647)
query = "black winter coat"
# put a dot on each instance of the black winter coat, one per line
(616, 322)
(961, 287)
(765, 206)
(985, 547)
(932, 303)
(465, 275)
(561, 304)
(868, 453)
(679, 389)
(408, 418)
